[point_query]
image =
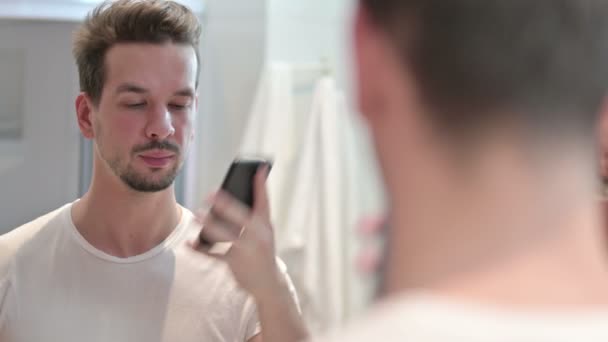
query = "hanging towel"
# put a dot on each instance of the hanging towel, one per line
(335, 186)
(273, 131)
(323, 181)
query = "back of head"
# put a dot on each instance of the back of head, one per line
(129, 21)
(514, 86)
(539, 64)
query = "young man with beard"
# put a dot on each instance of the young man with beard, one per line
(118, 264)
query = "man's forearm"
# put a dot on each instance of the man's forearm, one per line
(279, 316)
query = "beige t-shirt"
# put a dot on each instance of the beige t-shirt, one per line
(425, 318)
(55, 286)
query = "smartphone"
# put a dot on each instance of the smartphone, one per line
(239, 182)
(240, 178)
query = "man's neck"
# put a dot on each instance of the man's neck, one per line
(534, 241)
(565, 270)
(122, 222)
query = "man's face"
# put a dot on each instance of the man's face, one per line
(143, 124)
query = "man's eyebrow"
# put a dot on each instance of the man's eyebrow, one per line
(130, 88)
(185, 92)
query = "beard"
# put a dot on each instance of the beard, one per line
(141, 183)
(158, 180)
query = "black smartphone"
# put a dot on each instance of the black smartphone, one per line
(239, 182)
(240, 178)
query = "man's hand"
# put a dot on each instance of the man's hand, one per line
(251, 256)
(249, 236)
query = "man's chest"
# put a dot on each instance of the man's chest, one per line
(147, 305)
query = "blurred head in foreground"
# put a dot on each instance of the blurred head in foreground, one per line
(483, 115)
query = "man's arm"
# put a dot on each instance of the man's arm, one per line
(278, 314)
(256, 338)
(251, 258)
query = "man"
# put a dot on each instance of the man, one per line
(483, 115)
(118, 264)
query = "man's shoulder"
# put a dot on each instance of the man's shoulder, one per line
(424, 318)
(16, 239)
(377, 324)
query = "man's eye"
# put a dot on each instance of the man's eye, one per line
(178, 106)
(135, 105)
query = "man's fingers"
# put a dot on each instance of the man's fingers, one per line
(213, 232)
(227, 208)
(261, 205)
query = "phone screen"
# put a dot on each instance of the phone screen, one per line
(240, 178)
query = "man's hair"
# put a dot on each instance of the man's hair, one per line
(129, 21)
(541, 64)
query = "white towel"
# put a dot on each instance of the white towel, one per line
(322, 183)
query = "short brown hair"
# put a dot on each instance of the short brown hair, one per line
(542, 64)
(124, 21)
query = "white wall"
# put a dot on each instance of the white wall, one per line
(241, 36)
(62, 10)
(40, 171)
(306, 31)
(232, 53)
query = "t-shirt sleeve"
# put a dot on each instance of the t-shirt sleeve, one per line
(251, 322)
(3, 314)
(290, 285)
(4, 286)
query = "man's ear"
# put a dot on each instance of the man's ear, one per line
(369, 54)
(602, 133)
(84, 110)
